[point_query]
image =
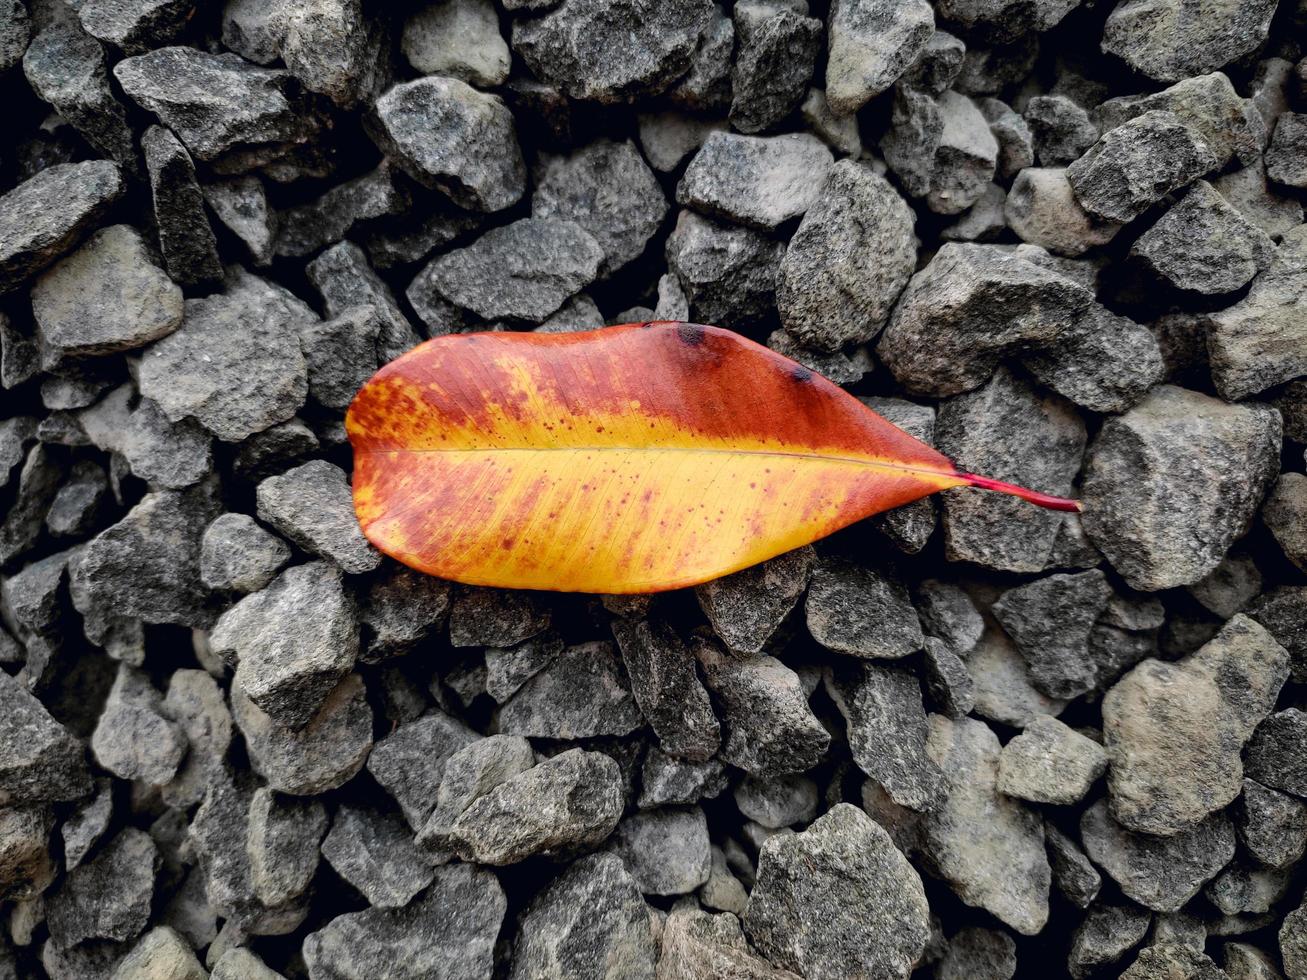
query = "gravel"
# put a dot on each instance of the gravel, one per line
(1061, 242)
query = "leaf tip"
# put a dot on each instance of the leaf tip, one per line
(1045, 500)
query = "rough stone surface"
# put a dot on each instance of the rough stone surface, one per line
(747, 607)
(1050, 763)
(1222, 457)
(838, 900)
(312, 506)
(861, 612)
(45, 216)
(758, 181)
(186, 239)
(848, 261)
(667, 689)
(1160, 873)
(666, 849)
(1160, 38)
(238, 555)
(375, 852)
(978, 837)
(871, 44)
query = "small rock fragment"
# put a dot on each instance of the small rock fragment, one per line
(861, 612)
(107, 897)
(1050, 763)
(666, 850)
(133, 739)
(284, 836)
(376, 854)
(667, 688)
(746, 608)
(871, 44)
(459, 38)
(186, 239)
(238, 555)
(758, 181)
(838, 900)
(312, 505)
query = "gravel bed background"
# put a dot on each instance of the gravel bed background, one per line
(1062, 241)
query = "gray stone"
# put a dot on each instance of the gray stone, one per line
(410, 762)
(838, 900)
(1160, 873)
(495, 617)
(1207, 104)
(579, 694)
(667, 138)
(1106, 364)
(666, 687)
(523, 271)
(1003, 692)
(1164, 961)
(469, 774)
(609, 191)
(747, 607)
(776, 51)
(1050, 763)
(40, 761)
(324, 754)
(1293, 943)
(861, 612)
(1107, 933)
(284, 835)
(292, 641)
(31, 599)
(1204, 245)
(948, 614)
(38, 482)
(758, 181)
(69, 69)
(197, 705)
(343, 277)
(1042, 209)
(969, 308)
(1247, 889)
(306, 228)
(590, 923)
(166, 454)
(26, 867)
(983, 221)
(1016, 145)
(108, 897)
(274, 450)
(699, 946)
(871, 44)
(1271, 211)
(88, 823)
(1174, 732)
(729, 274)
(665, 779)
(598, 53)
(1050, 620)
(161, 954)
(1272, 825)
(779, 802)
(239, 963)
(1165, 41)
(420, 940)
(241, 204)
(848, 262)
(1138, 163)
(313, 507)
(235, 365)
(45, 216)
(568, 803)
(1283, 612)
(445, 134)
(1284, 514)
(399, 610)
(376, 853)
(1275, 756)
(768, 727)
(15, 31)
(1060, 128)
(706, 86)
(186, 239)
(1009, 431)
(507, 669)
(1171, 484)
(333, 48)
(1258, 342)
(979, 954)
(723, 891)
(987, 846)
(665, 850)
(887, 732)
(341, 354)
(840, 133)
(219, 105)
(76, 508)
(133, 739)
(459, 38)
(16, 435)
(1073, 873)
(946, 679)
(238, 555)
(1286, 157)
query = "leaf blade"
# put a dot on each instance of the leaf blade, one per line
(629, 459)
